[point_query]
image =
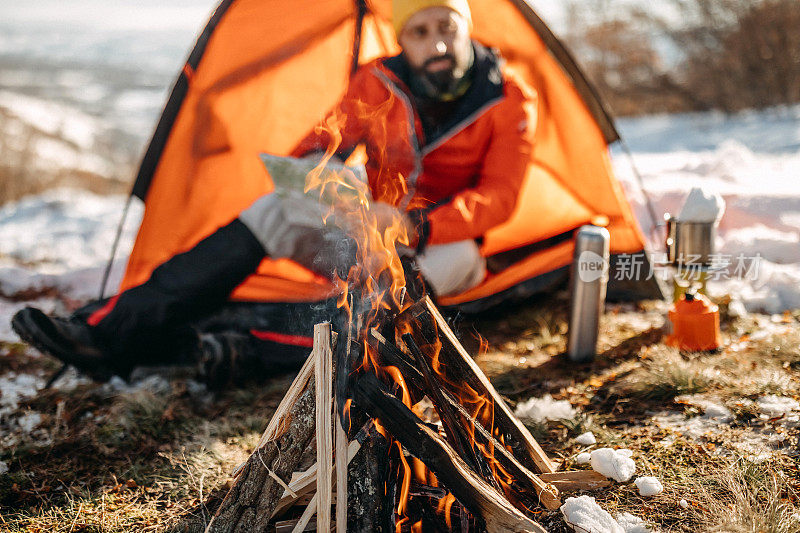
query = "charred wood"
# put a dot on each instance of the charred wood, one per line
(526, 483)
(482, 499)
(429, 504)
(368, 474)
(459, 367)
(453, 427)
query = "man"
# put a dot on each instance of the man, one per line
(448, 136)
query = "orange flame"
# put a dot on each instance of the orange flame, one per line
(405, 488)
(445, 504)
(380, 233)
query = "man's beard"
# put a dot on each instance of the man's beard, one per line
(440, 82)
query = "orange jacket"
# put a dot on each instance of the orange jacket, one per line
(467, 178)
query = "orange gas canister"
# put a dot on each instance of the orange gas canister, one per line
(695, 324)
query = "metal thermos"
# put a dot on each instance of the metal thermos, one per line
(588, 292)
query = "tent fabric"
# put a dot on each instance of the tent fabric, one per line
(256, 84)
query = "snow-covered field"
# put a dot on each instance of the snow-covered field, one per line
(753, 160)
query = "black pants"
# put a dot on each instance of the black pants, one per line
(160, 321)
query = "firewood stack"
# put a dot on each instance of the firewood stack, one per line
(359, 398)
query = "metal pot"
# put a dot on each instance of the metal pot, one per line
(690, 242)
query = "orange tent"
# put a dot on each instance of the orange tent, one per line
(264, 72)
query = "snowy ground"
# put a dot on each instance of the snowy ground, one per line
(59, 240)
(753, 161)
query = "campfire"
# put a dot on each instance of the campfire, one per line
(409, 433)
(414, 439)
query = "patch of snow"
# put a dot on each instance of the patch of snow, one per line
(70, 380)
(773, 406)
(586, 439)
(715, 418)
(63, 230)
(115, 385)
(694, 427)
(632, 524)
(736, 308)
(755, 443)
(702, 206)
(648, 486)
(16, 387)
(583, 458)
(154, 383)
(196, 389)
(716, 411)
(29, 421)
(613, 463)
(759, 240)
(70, 124)
(545, 408)
(584, 515)
(712, 410)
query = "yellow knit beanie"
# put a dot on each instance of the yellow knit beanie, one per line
(403, 9)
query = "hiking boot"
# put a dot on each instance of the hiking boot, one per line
(183, 289)
(70, 341)
(223, 360)
(234, 359)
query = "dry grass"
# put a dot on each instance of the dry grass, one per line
(666, 375)
(751, 498)
(638, 376)
(139, 460)
(178, 450)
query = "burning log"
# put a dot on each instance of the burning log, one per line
(482, 499)
(368, 506)
(525, 483)
(429, 327)
(438, 510)
(458, 437)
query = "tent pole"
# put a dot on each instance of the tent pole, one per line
(361, 11)
(117, 238)
(657, 223)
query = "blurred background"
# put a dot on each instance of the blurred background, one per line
(688, 55)
(83, 82)
(706, 92)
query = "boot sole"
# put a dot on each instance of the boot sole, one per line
(28, 330)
